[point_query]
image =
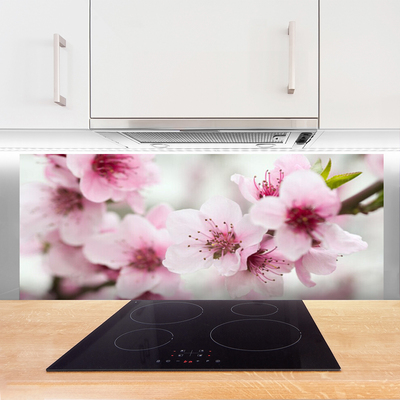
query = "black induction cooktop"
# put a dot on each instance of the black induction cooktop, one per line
(148, 335)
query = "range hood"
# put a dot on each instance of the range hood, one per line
(207, 133)
(210, 139)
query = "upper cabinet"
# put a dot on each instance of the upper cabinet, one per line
(200, 60)
(360, 64)
(36, 64)
(204, 58)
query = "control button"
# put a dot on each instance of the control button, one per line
(180, 355)
(168, 361)
(201, 351)
(158, 361)
(199, 355)
(217, 361)
(181, 351)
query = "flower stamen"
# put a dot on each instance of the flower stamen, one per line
(266, 187)
(261, 263)
(303, 219)
(113, 167)
(145, 258)
(67, 200)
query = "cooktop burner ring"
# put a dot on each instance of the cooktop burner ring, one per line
(236, 336)
(257, 309)
(144, 339)
(182, 312)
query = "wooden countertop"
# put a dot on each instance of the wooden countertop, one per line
(363, 335)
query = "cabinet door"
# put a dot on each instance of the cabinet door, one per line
(360, 64)
(27, 66)
(202, 58)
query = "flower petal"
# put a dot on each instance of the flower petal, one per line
(292, 244)
(110, 222)
(182, 223)
(108, 249)
(58, 173)
(228, 264)
(37, 213)
(269, 212)
(135, 201)
(239, 284)
(158, 215)
(289, 163)
(244, 282)
(169, 282)
(303, 275)
(334, 238)
(306, 188)
(246, 187)
(269, 289)
(132, 282)
(94, 188)
(319, 261)
(79, 163)
(78, 225)
(67, 261)
(138, 231)
(221, 209)
(248, 233)
(181, 259)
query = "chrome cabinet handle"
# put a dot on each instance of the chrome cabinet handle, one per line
(292, 43)
(58, 42)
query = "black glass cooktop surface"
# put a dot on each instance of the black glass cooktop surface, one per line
(203, 335)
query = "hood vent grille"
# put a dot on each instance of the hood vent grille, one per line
(208, 136)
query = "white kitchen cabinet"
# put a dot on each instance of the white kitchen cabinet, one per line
(203, 58)
(27, 64)
(359, 64)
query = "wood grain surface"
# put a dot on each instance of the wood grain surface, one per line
(363, 335)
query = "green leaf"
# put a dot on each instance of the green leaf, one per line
(317, 167)
(339, 180)
(325, 172)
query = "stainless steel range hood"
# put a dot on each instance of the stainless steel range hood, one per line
(232, 133)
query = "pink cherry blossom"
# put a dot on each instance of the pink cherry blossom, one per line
(136, 249)
(262, 272)
(321, 261)
(158, 215)
(70, 267)
(284, 166)
(45, 208)
(214, 236)
(290, 163)
(114, 176)
(301, 216)
(317, 261)
(57, 172)
(62, 260)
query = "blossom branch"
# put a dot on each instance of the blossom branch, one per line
(353, 204)
(56, 290)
